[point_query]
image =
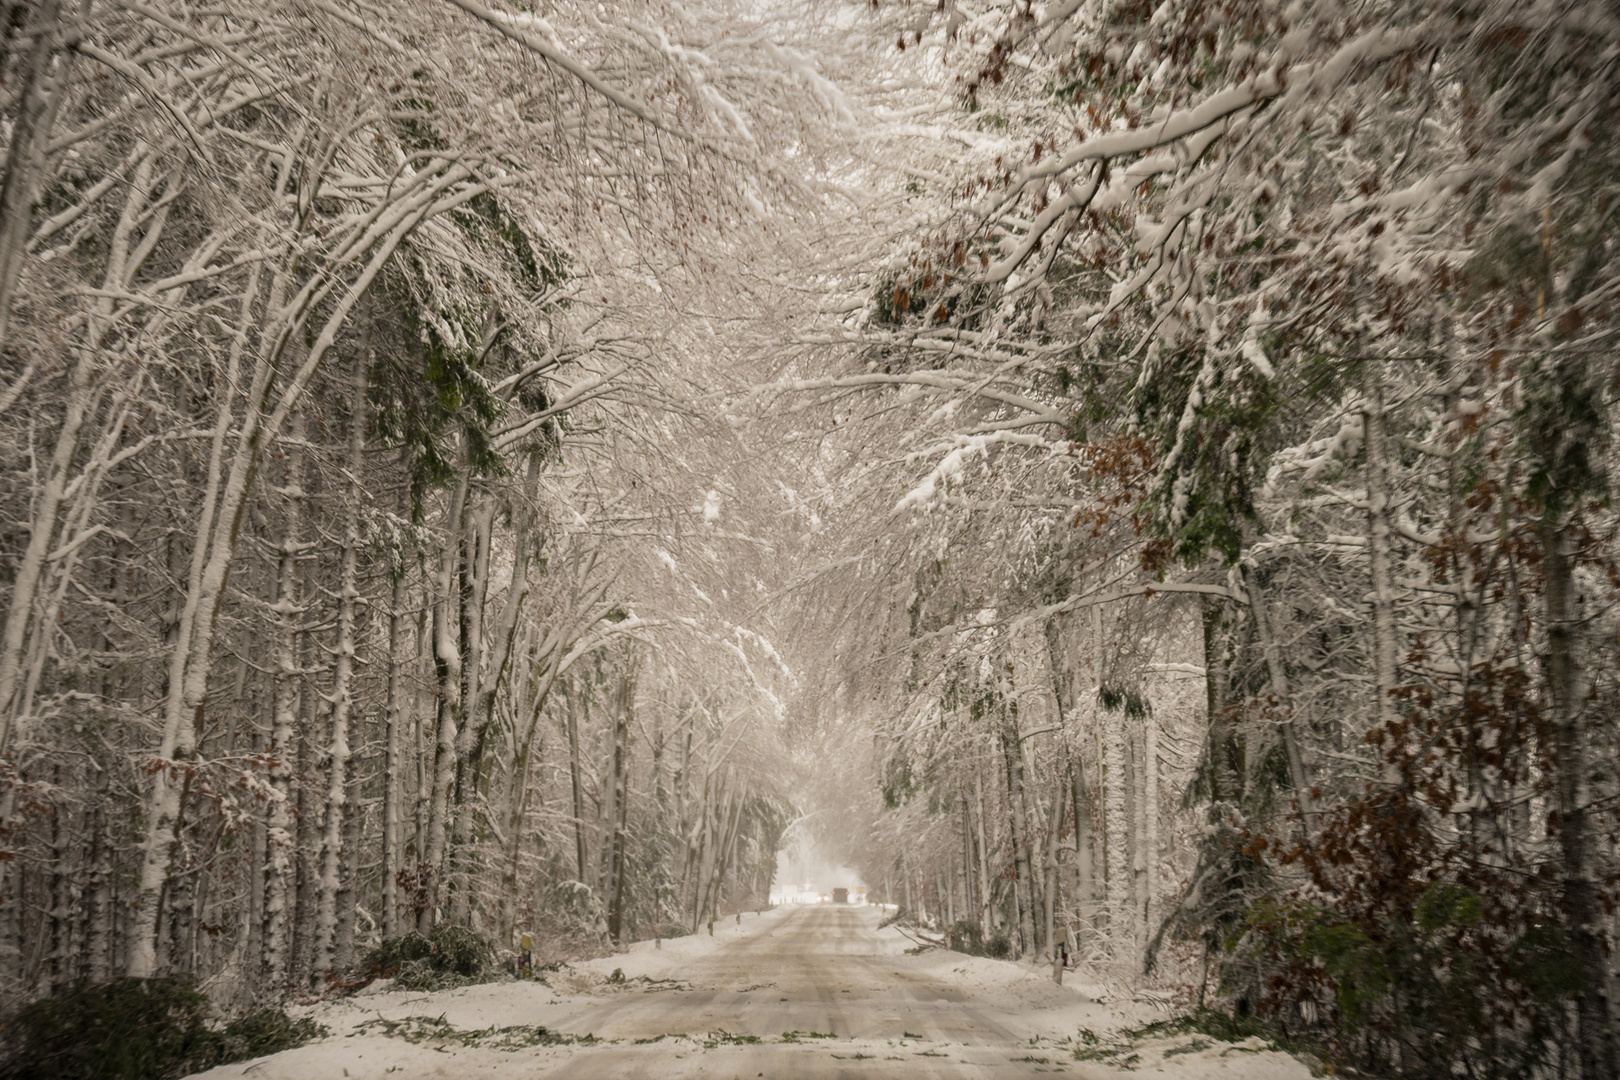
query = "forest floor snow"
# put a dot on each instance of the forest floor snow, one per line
(794, 992)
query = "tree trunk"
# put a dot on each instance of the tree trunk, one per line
(213, 544)
(970, 901)
(57, 916)
(1277, 675)
(1134, 738)
(1382, 595)
(1065, 690)
(1018, 818)
(1596, 1044)
(97, 966)
(279, 817)
(1054, 825)
(621, 765)
(703, 855)
(430, 191)
(518, 787)
(697, 857)
(1117, 826)
(1084, 855)
(174, 920)
(1150, 825)
(348, 896)
(470, 731)
(730, 826)
(53, 491)
(985, 927)
(1226, 769)
(577, 786)
(481, 702)
(311, 799)
(394, 721)
(447, 658)
(337, 749)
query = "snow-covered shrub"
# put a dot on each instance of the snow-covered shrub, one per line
(127, 1028)
(450, 956)
(1417, 983)
(571, 922)
(966, 937)
(136, 1029)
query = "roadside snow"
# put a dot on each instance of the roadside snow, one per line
(714, 985)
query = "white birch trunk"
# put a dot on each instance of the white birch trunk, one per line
(1084, 851)
(1116, 819)
(1578, 846)
(447, 666)
(86, 487)
(1018, 822)
(99, 911)
(576, 785)
(279, 823)
(1138, 816)
(699, 852)
(985, 927)
(337, 752)
(482, 705)
(1054, 824)
(394, 721)
(621, 787)
(81, 392)
(1150, 825)
(379, 236)
(1380, 561)
(164, 799)
(1116, 827)
(469, 730)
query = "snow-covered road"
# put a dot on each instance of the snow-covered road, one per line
(812, 992)
(821, 970)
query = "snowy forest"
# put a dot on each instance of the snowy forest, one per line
(1130, 477)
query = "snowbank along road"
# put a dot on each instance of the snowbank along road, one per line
(812, 992)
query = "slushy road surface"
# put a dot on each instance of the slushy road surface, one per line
(816, 971)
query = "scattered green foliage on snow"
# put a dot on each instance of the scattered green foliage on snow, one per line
(1200, 1030)
(437, 1031)
(726, 1038)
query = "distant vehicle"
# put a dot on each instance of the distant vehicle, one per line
(840, 896)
